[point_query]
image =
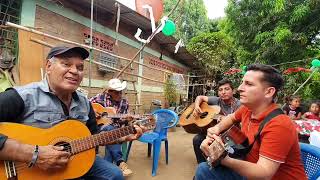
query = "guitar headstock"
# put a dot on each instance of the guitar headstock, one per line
(147, 122)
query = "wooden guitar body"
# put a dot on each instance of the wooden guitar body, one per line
(73, 135)
(108, 115)
(63, 132)
(199, 124)
(102, 112)
(234, 139)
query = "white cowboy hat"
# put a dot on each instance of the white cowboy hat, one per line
(115, 84)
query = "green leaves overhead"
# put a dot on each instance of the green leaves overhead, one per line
(213, 51)
(273, 31)
(282, 34)
(191, 18)
(299, 13)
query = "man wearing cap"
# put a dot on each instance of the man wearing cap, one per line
(112, 97)
(48, 102)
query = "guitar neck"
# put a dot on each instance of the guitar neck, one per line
(100, 139)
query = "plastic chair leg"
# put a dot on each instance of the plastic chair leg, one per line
(128, 152)
(156, 154)
(167, 150)
(149, 149)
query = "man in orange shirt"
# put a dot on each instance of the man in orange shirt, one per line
(276, 155)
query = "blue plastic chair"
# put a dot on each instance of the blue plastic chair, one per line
(165, 119)
(311, 159)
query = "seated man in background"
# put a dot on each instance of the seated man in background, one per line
(228, 105)
(112, 97)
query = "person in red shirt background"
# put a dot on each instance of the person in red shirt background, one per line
(313, 112)
(277, 154)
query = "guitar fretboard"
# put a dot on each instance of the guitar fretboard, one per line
(100, 139)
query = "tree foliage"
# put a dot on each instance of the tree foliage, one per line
(276, 31)
(265, 31)
(191, 18)
(214, 51)
(273, 31)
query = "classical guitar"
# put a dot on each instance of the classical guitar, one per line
(102, 114)
(235, 143)
(73, 135)
(201, 123)
(106, 115)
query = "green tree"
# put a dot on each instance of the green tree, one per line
(269, 31)
(214, 51)
(191, 18)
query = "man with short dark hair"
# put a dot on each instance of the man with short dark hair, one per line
(227, 103)
(276, 154)
(47, 103)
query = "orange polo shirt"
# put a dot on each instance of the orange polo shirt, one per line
(279, 142)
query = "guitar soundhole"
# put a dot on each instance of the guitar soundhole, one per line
(66, 146)
(203, 115)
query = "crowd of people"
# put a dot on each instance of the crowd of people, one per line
(268, 154)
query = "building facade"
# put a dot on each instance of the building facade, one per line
(70, 20)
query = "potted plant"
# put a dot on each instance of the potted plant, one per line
(170, 93)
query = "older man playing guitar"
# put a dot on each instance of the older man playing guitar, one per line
(48, 104)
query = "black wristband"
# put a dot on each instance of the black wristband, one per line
(34, 156)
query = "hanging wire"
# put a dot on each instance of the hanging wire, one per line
(304, 83)
(291, 62)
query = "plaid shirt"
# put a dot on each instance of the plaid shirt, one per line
(105, 100)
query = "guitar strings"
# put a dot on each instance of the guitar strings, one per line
(67, 147)
(20, 166)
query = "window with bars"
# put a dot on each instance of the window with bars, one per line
(10, 11)
(107, 60)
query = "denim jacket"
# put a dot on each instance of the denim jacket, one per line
(43, 109)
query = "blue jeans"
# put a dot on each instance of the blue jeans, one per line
(113, 153)
(103, 170)
(204, 172)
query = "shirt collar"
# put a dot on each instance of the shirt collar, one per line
(261, 117)
(44, 86)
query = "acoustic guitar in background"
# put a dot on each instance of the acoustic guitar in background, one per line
(108, 115)
(73, 135)
(102, 114)
(201, 123)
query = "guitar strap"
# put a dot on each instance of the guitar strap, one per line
(243, 149)
(268, 118)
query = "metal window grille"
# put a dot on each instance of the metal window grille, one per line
(10, 11)
(107, 60)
